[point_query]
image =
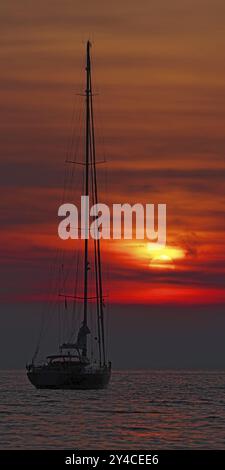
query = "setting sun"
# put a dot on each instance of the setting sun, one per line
(148, 255)
(168, 251)
(162, 262)
(164, 257)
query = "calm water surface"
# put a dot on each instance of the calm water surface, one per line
(139, 410)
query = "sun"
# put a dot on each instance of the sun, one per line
(162, 262)
(151, 255)
(164, 257)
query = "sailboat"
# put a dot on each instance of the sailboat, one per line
(73, 366)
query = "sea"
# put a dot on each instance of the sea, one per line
(140, 409)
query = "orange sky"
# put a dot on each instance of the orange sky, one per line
(159, 69)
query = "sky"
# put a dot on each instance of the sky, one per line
(158, 71)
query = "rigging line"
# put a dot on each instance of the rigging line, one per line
(65, 297)
(70, 267)
(108, 327)
(71, 263)
(75, 124)
(59, 330)
(75, 291)
(100, 127)
(70, 296)
(75, 294)
(46, 303)
(66, 171)
(70, 140)
(49, 317)
(92, 330)
(81, 163)
(38, 342)
(74, 153)
(107, 274)
(74, 146)
(96, 262)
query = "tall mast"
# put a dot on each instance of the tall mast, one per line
(87, 93)
(98, 252)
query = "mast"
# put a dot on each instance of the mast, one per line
(90, 161)
(98, 252)
(87, 94)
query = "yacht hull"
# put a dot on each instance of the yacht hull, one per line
(46, 378)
